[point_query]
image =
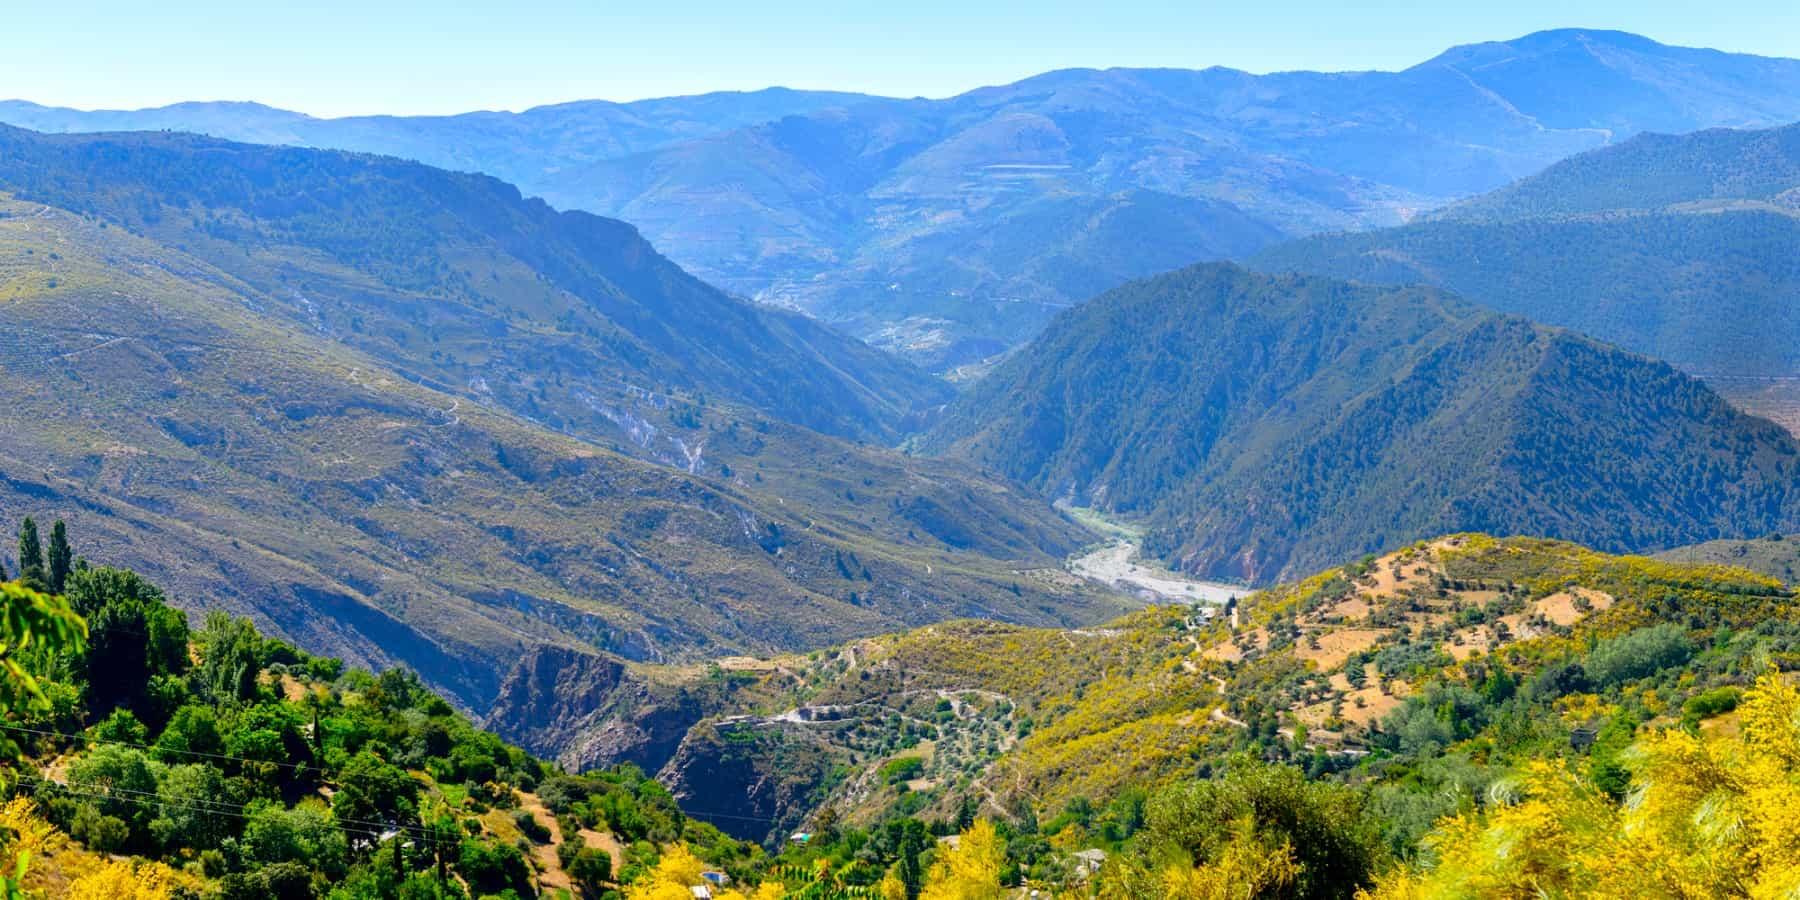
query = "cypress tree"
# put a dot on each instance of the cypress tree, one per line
(31, 555)
(61, 560)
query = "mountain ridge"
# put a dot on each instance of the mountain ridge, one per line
(755, 204)
(313, 418)
(1260, 423)
(1675, 246)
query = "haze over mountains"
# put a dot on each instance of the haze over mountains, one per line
(1679, 247)
(381, 337)
(953, 229)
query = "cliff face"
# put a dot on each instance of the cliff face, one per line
(587, 710)
(755, 778)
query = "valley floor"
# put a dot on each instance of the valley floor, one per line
(1115, 564)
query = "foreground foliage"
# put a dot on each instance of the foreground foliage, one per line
(1519, 718)
(1710, 815)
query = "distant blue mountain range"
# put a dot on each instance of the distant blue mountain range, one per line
(950, 230)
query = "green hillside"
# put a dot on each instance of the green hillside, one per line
(1387, 726)
(196, 434)
(1390, 695)
(1262, 426)
(150, 759)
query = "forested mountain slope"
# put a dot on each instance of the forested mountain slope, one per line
(1679, 247)
(200, 429)
(150, 758)
(1651, 171)
(1264, 424)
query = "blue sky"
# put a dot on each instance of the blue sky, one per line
(334, 57)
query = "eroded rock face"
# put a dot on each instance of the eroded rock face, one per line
(756, 779)
(587, 710)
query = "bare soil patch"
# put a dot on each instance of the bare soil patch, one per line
(1337, 646)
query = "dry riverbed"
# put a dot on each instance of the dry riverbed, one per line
(1115, 563)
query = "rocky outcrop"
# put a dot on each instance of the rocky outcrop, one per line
(756, 780)
(587, 710)
(755, 777)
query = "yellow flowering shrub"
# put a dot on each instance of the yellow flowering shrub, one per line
(1708, 816)
(970, 870)
(123, 880)
(677, 871)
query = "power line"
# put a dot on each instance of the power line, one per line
(226, 807)
(92, 740)
(157, 749)
(233, 810)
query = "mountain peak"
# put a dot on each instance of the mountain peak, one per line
(1543, 43)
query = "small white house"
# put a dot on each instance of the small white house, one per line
(1088, 863)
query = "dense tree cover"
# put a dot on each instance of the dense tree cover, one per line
(34, 629)
(31, 557)
(243, 767)
(1709, 291)
(1712, 815)
(1267, 426)
(1264, 829)
(230, 765)
(1650, 171)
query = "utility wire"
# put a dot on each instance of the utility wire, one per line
(371, 829)
(156, 748)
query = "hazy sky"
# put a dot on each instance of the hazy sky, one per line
(345, 57)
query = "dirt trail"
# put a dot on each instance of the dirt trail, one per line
(606, 841)
(549, 865)
(550, 871)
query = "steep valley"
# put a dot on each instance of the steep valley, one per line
(1121, 483)
(1263, 426)
(254, 463)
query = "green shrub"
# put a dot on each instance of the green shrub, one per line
(1645, 651)
(905, 768)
